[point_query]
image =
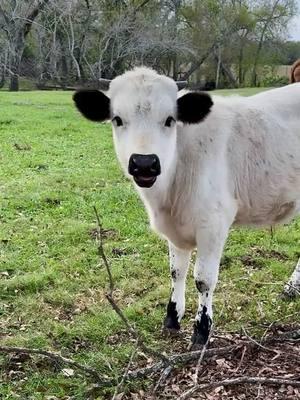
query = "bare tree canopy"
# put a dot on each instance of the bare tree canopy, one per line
(75, 41)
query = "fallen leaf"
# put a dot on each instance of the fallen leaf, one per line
(68, 371)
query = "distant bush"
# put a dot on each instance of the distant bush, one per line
(274, 81)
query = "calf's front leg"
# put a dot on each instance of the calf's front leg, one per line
(210, 243)
(179, 263)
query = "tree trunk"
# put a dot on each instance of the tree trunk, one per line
(64, 76)
(228, 73)
(17, 33)
(177, 5)
(14, 83)
(175, 69)
(2, 79)
(77, 55)
(196, 64)
(241, 57)
(260, 44)
(219, 57)
(256, 58)
(15, 61)
(64, 69)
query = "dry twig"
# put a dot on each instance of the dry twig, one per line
(256, 342)
(290, 336)
(175, 360)
(242, 359)
(101, 252)
(110, 298)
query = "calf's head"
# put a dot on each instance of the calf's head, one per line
(144, 110)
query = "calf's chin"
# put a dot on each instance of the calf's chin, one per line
(144, 182)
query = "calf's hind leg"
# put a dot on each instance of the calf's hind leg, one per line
(292, 288)
(179, 263)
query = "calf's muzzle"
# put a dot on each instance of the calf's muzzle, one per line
(144, 168)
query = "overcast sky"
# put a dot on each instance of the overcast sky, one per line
(295, 28)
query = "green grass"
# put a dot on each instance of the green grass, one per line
(54, 166)
(241, 92)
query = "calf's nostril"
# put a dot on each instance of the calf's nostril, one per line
(154, 160)
(134, 161)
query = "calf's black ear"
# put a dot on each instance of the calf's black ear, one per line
(193, 107)
(94, 105)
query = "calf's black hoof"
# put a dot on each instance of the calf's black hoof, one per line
(202, 329)
(171, 322)
(200, 336)
(171, 325)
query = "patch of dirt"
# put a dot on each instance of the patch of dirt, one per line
(226, 261)
(79, 344)
(65, 314)
(118, 338)
(52, 202)
(278, 255)
(119, 252)
(249, 261)
(41, 167)
(257, 257)
(22, 147)
(6, 122)
(14, 367)
(107, 233)
(277, 359)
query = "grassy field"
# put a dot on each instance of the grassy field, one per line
(54, 166)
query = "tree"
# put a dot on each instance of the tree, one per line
(69, 42)
(272, 17)
(17, 17)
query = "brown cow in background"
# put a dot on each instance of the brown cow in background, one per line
(295, 72)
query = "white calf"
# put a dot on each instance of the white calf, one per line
(200, 164)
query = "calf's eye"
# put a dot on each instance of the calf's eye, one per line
(118, 121)
(169, 121)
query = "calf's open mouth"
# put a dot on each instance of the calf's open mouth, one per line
(145, 181)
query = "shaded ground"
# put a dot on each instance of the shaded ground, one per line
(276, 358)
(276, 355)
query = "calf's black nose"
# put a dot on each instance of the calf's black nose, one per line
(146, 165)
